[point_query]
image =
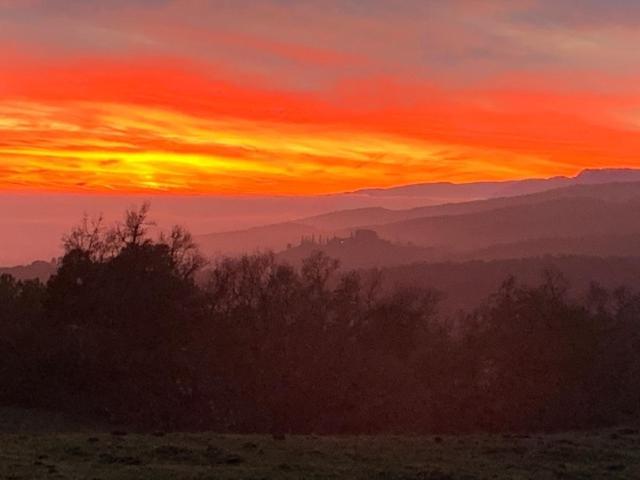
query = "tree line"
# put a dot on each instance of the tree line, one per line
(139, 330)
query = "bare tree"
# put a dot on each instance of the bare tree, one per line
(134, 231)
(89, 236)
(184, 251)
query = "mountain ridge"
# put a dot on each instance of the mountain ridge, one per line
(585, 197)
(505, 187)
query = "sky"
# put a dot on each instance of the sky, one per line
(234, 113)
(283, 97)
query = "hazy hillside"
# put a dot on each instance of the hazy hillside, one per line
(37, 270)
(539, 220)
(596, 245)
(364, 249)
(366, 217)
(35, 225)
(270, 237)
(447, 191)
(564, 217)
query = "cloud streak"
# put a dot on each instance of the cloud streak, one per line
(186, 96)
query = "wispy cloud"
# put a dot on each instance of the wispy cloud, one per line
(306, 97)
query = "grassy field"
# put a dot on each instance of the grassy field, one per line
(34, 447)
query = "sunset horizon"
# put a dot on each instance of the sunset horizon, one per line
(183, 97)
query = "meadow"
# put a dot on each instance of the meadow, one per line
(36, 445)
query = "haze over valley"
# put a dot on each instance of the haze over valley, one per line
(32, 224)
(586, 228)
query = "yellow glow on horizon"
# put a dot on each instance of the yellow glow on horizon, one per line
(86, 146)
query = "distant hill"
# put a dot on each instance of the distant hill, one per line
(363, 249)
(595, 245)
(270, 237)
(452, 192)
(34, 223)
(562, 217)
(588, 209)
(367, 217)
(447, 191)
(37, 270)
(607, 175)
(560, 226)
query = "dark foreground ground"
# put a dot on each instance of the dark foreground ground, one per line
(33, 447)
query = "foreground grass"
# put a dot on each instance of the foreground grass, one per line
(35, 446)
(612, 454)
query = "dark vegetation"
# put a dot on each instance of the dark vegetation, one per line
(466, 285)
(124, 333)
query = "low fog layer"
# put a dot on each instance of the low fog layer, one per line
(32, 224)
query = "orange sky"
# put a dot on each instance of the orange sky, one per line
(278, 97)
